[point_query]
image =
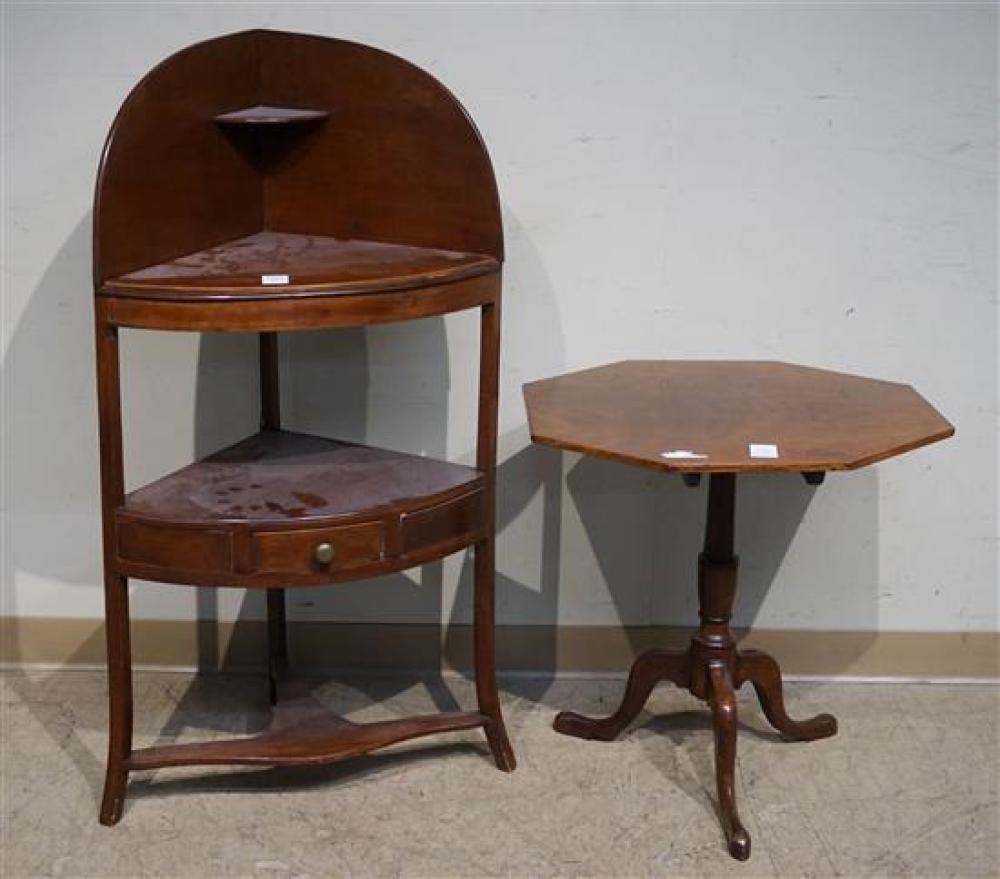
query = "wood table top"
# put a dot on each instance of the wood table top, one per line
(703, 416)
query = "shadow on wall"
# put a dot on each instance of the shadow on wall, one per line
(385, 385)
(529, 477)
(389, 385)
(50, 447)
(646, 529)
(51, 434)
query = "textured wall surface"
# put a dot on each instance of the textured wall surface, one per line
(813, 184)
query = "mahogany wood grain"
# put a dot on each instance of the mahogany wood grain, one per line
(119, 660)
(263, 114)
(310, 742)
(270, 381)
(270, 419)
(722, 700)
(246, 576)
(170, 182)
(361, 179)
(291, 551)
(712, 669)
(399, 159)
(252, 514)
(652, 667)
(636, 410)
(314, 265)
(761, 670)
(279, 478)
(464, 515)
(484, 563)
(293, 313)
(116, 612)
(709, 413)
(203, 549)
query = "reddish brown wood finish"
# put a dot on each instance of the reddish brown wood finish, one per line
(361, 179)
(315, 266)
(312, 742)
(418, 171)
(265, 115)
(170, 181)
(711, 668)
(306, 313)
(398, 159)
(278, 478)
(303, 733)
(484, 565)
(270, 419)
(252, 515)
(288, 552)
(819, 420)
(115, 585)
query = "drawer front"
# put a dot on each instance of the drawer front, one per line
(180, 549)
(455, 519)
(306, 552)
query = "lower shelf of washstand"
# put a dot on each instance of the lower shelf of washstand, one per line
(254, 514)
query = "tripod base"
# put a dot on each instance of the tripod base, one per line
(716, 681)
(711, 669)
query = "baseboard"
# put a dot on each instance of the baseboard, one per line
(55, 641)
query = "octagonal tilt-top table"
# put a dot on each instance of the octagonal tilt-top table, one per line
(724, 418)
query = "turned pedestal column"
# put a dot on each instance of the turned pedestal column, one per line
(711, 668)
(724, 418)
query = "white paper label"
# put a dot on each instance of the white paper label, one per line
(682, 454)
(763, 450)
(270, 280)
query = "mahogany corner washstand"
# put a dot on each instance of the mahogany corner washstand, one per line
(264, 182)
(724, 418)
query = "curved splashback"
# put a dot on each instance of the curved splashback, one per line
(386, 154)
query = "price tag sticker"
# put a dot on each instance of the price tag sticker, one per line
(682, 455)
(763, 450)
(273, 280)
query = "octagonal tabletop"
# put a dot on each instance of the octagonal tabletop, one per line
(730, 416)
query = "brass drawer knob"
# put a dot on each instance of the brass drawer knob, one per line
(323, 553)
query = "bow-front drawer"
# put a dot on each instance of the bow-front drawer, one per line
(317, 550)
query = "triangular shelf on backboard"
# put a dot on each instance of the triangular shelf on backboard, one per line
(265, 114)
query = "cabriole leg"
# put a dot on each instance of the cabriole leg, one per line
(763, 672)
(722, 699)
(647, 671)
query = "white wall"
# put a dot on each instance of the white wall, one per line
(807, 183)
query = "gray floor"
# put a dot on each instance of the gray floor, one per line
(908, 787)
